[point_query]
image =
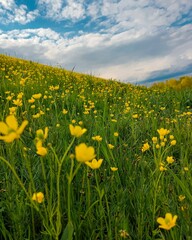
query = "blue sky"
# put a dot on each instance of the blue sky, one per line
(128, 40)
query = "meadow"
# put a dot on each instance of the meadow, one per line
(85, 158)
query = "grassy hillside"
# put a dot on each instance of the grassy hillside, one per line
(87, 158)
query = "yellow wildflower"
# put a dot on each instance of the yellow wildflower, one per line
(94, 164)
(162, 168)
(154, 139)
(110, 146)
(40, 135)
(113, 169)
(10, 129)
(97, 138)
(173, 142)
(18, 102)
(181, 198)
(170, 159)
(168, 222)
(76, 131)
(42, 151)
(116, 134)
(38, 197)
(37, 96)
(162, 132)
(145, 147)
(84, 153)
(64, 111)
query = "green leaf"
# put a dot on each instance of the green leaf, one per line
(68, 232)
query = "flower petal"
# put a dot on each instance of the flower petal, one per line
(3, 128)
(22, 127)
(12, 122)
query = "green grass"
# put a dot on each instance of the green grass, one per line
(79, 202)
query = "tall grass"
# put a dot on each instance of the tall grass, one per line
(133, 129)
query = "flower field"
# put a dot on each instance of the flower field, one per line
(85, 158)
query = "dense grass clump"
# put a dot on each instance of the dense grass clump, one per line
(88, 158)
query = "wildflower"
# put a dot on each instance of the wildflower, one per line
(186, 169)
(124, 234)
(181, 198)
(157, 146)
(171, 137)
(113, 169)
(40, 135)
(170, 159)
(110, 146)
(38, 197)
(162, 168)
(42, 151)
(37, 96)
(154, 139)
(76, 131)
(162, 132)
(64, 111)
(168, 222)
(116, 134)
(173, 142)
(84, 153)
(135, 116)
(97, 138)
(94, 164)
(10, 129)
(18, 102)
(145, 147)
(162, 144)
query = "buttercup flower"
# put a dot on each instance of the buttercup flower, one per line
(77, 131)
(170, 159)
(162, 132)
(84, 153)
(38, 197)
(145, 147)
(168, 222)
(97, 138)
(94, 164)
(10, 129)
(113, 169)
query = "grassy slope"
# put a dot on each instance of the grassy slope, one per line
(134, 196)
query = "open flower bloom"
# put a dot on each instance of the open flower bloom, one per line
(42, 151)
(168, 222)
(76, 131)
(145, 147)
(162, 132)
(10, 129)
(40, 135)
(38, 197)
(94, 164)
(84, 153)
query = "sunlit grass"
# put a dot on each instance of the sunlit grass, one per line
(88, 158)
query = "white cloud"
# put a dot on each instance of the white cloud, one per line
(105, 55)
(59, 10)
(11, 12)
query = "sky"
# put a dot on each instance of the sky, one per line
(136, 41)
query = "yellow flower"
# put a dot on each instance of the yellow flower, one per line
(18, 102)
(173, 142)
(10, 129)
(40, 135)
(37, 96)
(38, 197)
(110, 146)
(162, 168)
(145, 147)
(113, 169)
(64, 111)
(116, 134)
(42, 151)
(97, 138)
(84, 153)
(94, 164)
(162, 132)
(77, 131)
(170, 159)
(154, 139)
(181, 198)
(168, 222)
